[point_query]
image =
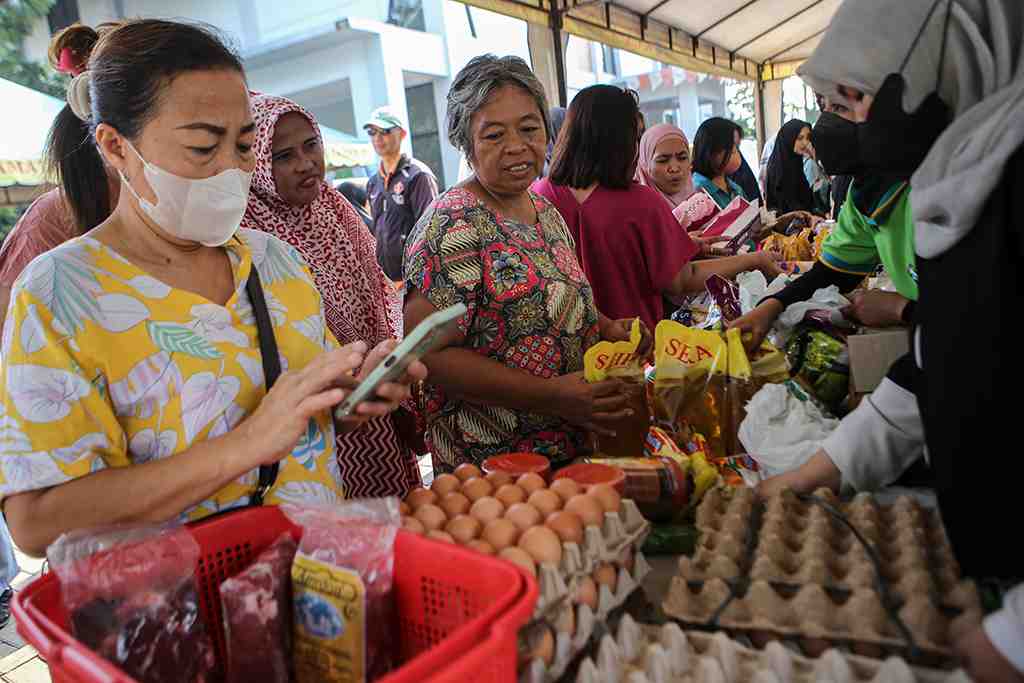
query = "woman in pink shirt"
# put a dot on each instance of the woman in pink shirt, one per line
(631, 247)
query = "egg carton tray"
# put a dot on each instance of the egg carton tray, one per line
(843, 587)
(667, 654)
(814, 620)
(605, 544)
(798, 542)
(569, 646)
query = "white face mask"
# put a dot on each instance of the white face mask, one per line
(207, 210)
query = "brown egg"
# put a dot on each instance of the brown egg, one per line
(464, 528)
(499, 479)
(414, 525)
(420, 496)
(520, 557)
(545, 501)
(432, 517)
(454, 504)
(476, 488)
(567, 525)
(605, 575)
(565, 488)
(531, 482)
(523, 515)
(543, 545)
(586, 593)
(588, 509)
(487, 509)
(606, 494)
(481, 546)
(404, 509)
(440, 536)
(542, 646)
(500, 533)
(510, 494)
(445, 484)
(467, 471)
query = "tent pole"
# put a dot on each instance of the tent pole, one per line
(759, 112)
(556, 39)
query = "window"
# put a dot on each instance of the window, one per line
(610, 60)
(407, 14)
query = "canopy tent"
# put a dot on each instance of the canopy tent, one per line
(342, 150)
(27, 121)
(758, 40)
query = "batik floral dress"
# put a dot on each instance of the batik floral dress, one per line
(530, 308)
(106, 366)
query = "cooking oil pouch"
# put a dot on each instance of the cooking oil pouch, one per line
(620, 360)
(345, 621)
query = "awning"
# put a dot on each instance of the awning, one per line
(28, 115)
(729, 38)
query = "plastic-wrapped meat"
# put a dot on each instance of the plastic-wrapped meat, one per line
(256, 605)
(155, 636)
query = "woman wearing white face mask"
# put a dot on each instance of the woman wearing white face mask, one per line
(134, 357)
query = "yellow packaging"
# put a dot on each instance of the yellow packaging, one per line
(330, 622)
(614, 359)
(620, 360)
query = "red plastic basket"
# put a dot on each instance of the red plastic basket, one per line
(459, 611)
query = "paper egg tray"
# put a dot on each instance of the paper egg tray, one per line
(790, 568)
(667, 654)
(600, 545)
(569, 646)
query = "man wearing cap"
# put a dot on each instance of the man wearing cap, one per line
(400, 191)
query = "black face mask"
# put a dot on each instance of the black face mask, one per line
(892, 141)
(836, 145)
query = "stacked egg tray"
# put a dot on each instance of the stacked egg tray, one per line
(612, 547)
(665, 654)
(820, 573)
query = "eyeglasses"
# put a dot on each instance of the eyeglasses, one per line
(374, 132)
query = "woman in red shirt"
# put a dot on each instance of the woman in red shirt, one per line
(632, 249)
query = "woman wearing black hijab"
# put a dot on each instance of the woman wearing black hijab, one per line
(787, 188)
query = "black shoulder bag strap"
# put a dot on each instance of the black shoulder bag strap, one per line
(271, 369)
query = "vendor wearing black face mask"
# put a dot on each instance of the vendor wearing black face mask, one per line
(874, 228)
(967, 57)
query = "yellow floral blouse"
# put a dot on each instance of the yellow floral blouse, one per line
(105, 366)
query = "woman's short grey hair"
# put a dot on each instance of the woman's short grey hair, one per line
(473, 86)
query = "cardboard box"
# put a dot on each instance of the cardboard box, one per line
(872, 353)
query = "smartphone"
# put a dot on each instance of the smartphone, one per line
(423, 340)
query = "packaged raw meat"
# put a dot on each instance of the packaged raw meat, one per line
(345, 621)
(131, 595)
(257, 608)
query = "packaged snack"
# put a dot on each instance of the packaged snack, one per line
(131, 596)
(620, 360)
(792, 248)
(258, 617)
(344, 609)
(820, 359)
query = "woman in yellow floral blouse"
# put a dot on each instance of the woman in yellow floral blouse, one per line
(133, 385)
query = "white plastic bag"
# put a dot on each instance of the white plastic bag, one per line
(754, 287)
(781, 430)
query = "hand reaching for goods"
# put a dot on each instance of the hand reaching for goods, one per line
(588, 404)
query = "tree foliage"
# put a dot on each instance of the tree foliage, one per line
(16, 20)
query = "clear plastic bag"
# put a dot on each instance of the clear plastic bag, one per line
(131, 595)
(344, 608)
(257, 609)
